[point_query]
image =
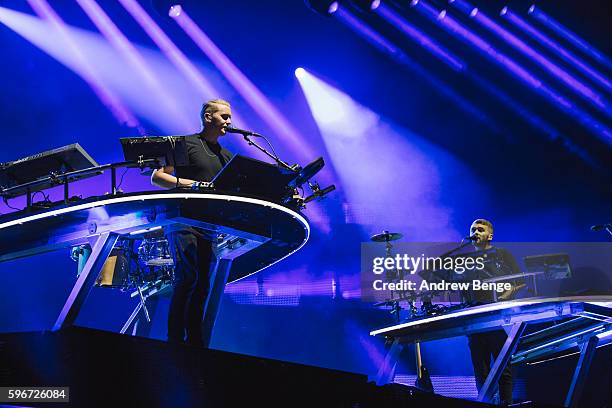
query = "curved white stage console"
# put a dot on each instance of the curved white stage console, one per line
(268, 233)
(580, 322)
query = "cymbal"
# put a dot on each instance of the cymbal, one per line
(386, 236)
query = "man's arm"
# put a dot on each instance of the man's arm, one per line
(510, 261)
(512, 268)
(164, 178)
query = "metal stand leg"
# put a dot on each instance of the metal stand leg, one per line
(100, 251)
(138, 329)
(143, 302)
(386, 372)
(142, 327)
(141, 305)
(582, 369)
(130, 320)
(486, 392)
(218, 278)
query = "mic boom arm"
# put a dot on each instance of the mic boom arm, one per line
(303, 174)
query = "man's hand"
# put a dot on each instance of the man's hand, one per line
(163, 178)
(202, 185)
(508, 294)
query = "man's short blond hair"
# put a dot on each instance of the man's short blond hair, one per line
(210, 107)
(484, 222)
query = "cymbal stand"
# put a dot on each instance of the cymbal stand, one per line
(396, 308)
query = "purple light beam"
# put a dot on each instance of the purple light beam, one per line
(431, 45)
(595, 99)
(383, 44)
(260, 104)
(85, 69)
(118, 40)
(555, 26)
(170, 50)
(451, 25)
(586, 69)
(252, 95)
(531, 118)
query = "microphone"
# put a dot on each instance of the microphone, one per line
(472, 238)
(309, 171)
(599, 227)
(242, 132)
(317, 192)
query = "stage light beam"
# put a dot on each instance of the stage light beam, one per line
(380, 42)
(561, 51)
(454, 62)
(568, 35)
(120, 42)
(571, 109)
(243, 85)
(417, 35)
(595, 99)
(366, 151)
(172, 52)
(84, 68)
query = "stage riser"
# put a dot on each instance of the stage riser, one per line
(109, 369)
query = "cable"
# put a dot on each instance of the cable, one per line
(270, 144)
(122, 175)
(45, 196)
(8, 205)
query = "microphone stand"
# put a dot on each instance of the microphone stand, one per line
(461, 246)
(295, 168)
(447, 253)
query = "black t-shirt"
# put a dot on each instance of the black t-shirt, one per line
(205, 159)
(497, 262)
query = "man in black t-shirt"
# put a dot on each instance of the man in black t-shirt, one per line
(485, 347)
(192, 248)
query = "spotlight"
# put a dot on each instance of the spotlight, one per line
(323, 7)
(333, 7)
(531, 9)
(414, 3)
(474, 12)
(300, 73)
(503, 11)
(442, 15)
(365, 5)
(175, 11)
(168, 8)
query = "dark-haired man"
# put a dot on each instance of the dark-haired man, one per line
(192, 248)
(485, 347)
